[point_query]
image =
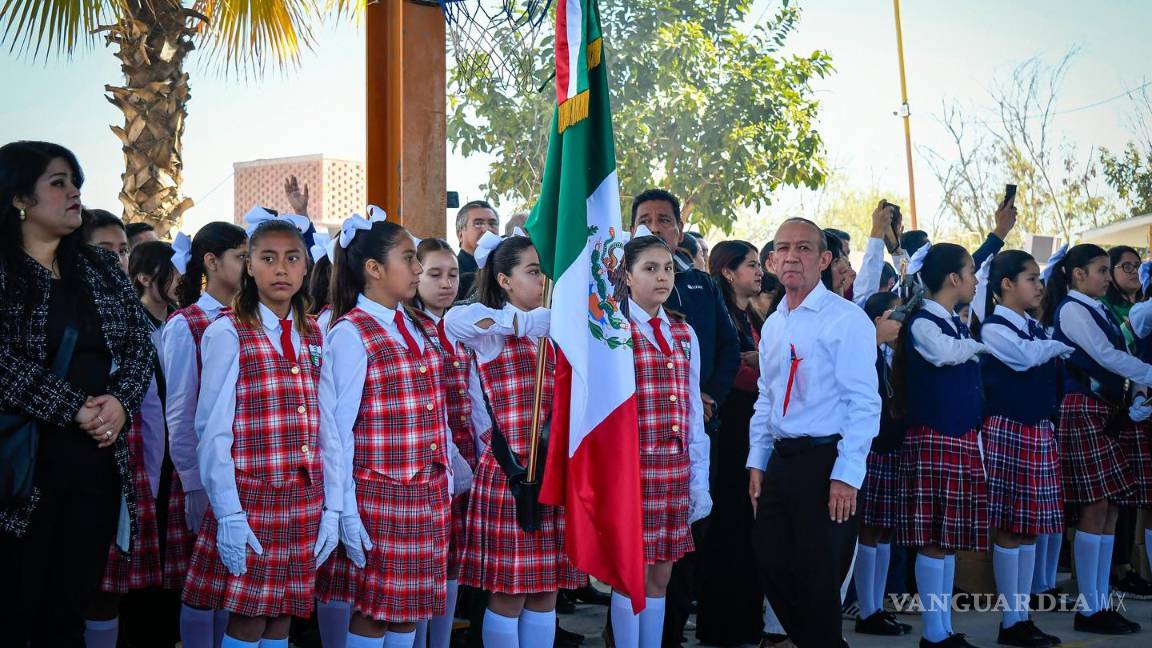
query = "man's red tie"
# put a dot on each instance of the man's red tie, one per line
(444, 342)
(659, 335)
(286, 341)
(793, 366)
(413, 348)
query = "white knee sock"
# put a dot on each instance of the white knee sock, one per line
(625, 625)
(421, 640)
(333, 618)
(440, 628)
(232, 642)
(399, 639)
(864, 575)
(949, 582)
(652, 622)
(1037, 584)
(1086, 554)
(499, 631)
(219, 625)
(1024, 581)
(101, 634)
(196, 627)
(1104, 570)
(537, 629)
(772, 623)
(274, 643)
(880, 585)
(360, 641)
(1006, 570)
(930, 585)
(1052, 558)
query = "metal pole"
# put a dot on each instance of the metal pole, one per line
(905, 113)
(538, 394)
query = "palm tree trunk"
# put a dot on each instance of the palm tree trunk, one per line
(152, 40)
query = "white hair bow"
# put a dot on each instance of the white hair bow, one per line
(320, 244)
(917, 260)
(376, 214)
(516, 231)
(642, 230)
(258, 215)
(181, 252)
(350, 226)
(485, 246)
(1056, 257)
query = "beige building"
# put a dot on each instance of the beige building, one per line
(336, 187)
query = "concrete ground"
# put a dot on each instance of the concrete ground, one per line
(981, 628)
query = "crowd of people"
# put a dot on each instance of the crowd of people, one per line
(267, 423)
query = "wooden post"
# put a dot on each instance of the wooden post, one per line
(405, 76)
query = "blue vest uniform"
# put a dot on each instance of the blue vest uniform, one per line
(948, 399)
(1026, 397)
(1084, 375)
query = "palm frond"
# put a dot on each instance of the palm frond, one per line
(53, 26)
(243, 36)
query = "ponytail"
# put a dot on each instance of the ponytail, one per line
(214, 238)
(1060, 281)
(348, 280)
(318, 284)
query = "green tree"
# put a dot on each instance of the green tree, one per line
(1129, 171)
(703, 104)
(152, 39)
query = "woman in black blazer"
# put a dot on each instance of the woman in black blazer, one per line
(53, 547)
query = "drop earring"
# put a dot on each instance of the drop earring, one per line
(22, 216)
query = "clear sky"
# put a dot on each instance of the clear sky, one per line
(954, 50)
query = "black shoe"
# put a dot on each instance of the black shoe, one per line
(904, 627)
(1022, 633)
(878, 624)
(568, 639)
(770, 639)
(1134, 587)
(1102, 623)
(1045, 600)
(590, 595)
(1053, 640)
(1132, 625)
(957, 640)
(564, 604)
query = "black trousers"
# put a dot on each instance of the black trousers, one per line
(48, 576)
(801, 553)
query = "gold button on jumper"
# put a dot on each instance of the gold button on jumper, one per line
(671, 366)
(431, 407)
(304, 449)
(423, 369)
(675, 428)
(433, 446)
(456, 364)
(672, 398)
(295, 370)
(301, 409)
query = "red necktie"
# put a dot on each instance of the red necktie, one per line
(659, 335)
(448, 347)
(286, 341)
(413, 348)
(791, 378)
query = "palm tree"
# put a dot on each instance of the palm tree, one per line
(152, 39)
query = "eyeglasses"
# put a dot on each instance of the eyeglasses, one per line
(1129, 267)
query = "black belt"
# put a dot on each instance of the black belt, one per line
(796, 445)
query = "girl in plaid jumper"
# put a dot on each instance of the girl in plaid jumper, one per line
(383, 394)
(272, 475)
(1093, 419)
(674, 448)
(944, 508)
(1022, 386)
(523, 571)
(211, 266)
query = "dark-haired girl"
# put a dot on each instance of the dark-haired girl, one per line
(730, 597)
(54, 542)
(159, 508)
(213, 264)
(880, 493)
(523, 571)
(382, 393)
(1094, 472)
(1022, 389)
(439, 284)
(320, 279)
(263, 455)
(673, 445)
(944, 506)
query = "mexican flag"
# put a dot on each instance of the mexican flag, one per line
(593, 466)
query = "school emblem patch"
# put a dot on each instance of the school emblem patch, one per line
(316, 353)
(605, 321)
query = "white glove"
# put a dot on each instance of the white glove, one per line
(195, 506)
(461, 475)
(699, 506)
(536, 322)
(328, 536)
(233, 537)
(355, 538)
(1139, 412)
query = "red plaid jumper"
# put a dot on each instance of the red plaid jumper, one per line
(1092, 464)
(665, 468)
(400, 470)
(279, 479)
(142, 568)
(1024, 494)
(457, 368)
(944, 497)
(499, 556)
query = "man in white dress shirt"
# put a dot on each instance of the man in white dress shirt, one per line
(818, 410)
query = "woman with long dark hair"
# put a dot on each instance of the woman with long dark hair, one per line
(730, 597)
(54, 289)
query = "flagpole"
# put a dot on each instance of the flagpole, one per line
(905, 113)
(538, 394)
